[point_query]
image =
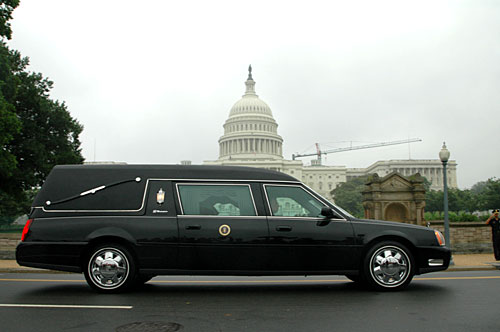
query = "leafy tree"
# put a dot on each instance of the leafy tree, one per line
(9, 126)
(483, 195)
(458, 200)
(434, 200)
(6, 9)
(349, 196)
(479, 187)
(9, 123)
(490, 197)
(36, 132)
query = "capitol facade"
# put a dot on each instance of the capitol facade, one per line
(251, 139)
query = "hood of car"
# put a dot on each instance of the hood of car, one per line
(391, 223)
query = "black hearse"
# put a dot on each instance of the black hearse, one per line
(121, 225)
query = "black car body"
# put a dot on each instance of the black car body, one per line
(123, 224)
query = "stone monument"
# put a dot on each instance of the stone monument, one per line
(395, 197)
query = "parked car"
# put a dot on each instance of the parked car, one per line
(121, 225)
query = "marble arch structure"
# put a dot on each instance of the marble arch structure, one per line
(395, 197)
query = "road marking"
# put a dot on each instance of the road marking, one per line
(40, 280)
(297, 281)
(457, 278)
(66, 306)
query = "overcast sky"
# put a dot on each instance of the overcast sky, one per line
(154, 81)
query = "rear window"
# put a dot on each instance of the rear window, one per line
(216, 200)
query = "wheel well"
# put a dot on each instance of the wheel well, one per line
(394, 238)
(105, 240)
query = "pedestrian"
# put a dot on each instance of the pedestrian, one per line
(494, 222)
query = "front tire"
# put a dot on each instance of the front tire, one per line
(110, 268)
(388, 266)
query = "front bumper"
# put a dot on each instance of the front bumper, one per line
(432, 259)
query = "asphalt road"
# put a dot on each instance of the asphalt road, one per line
(448, 301)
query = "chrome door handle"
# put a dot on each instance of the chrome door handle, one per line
(193, 227)
(283, 228)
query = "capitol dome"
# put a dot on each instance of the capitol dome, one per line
(250, 102)
(250, 132)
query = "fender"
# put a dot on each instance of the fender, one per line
(388, 233)
(111, 232)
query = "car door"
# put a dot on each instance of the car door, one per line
(157, 232)
(300, 238)
(219, 227)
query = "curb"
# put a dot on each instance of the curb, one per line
(30, 270)
(471, 268)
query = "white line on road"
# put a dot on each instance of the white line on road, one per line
(67, 306)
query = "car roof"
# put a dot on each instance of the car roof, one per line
(182, 171)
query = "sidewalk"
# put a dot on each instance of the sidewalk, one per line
(472, 262)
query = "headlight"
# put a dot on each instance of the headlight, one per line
(439, 238)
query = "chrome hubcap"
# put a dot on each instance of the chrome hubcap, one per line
(108, 268)
(390, 266)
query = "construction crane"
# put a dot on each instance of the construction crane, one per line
(319, 153)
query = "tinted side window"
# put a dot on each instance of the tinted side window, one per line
(292, 201)
(216, 200)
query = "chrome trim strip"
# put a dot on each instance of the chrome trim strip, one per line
(306, 218)
(184, 216)
(215, 184)
(226, 180)
(436, 262)
(111, 216)
(92, 191)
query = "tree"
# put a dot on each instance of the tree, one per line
(479, 187)
(9, 126)
(6, 9)
(348, 195)
(434, 200)
(36, 132)
(9, 123)
(491, 195)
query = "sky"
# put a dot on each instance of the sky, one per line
(154, 81)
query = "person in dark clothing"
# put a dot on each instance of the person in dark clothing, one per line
(494, 222)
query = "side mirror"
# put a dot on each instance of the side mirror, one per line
(327, 212)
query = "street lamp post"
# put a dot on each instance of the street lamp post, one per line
(444, 155)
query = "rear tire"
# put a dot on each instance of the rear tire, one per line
(388, 266)
(110, 268)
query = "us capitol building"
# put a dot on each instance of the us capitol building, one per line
(251, 139)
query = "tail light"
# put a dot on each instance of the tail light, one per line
(26, 229)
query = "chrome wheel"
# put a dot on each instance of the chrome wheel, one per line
(390, 266)
(108, 268)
